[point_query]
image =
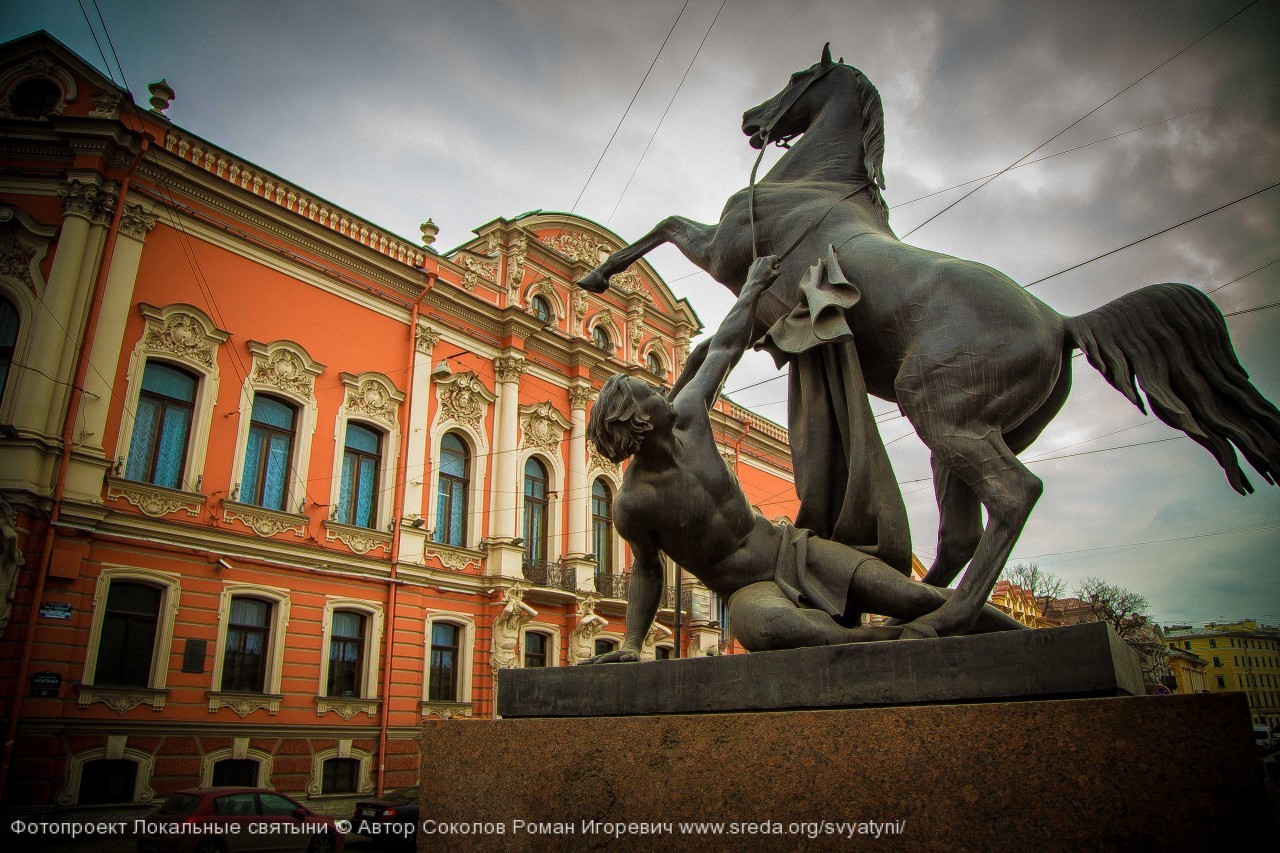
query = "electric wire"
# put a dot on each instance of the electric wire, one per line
(1082, 118)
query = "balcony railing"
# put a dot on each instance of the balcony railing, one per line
(669, 599)
(551, 575)
(613, 586)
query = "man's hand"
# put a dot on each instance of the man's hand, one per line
(762, 274)
(622, 655)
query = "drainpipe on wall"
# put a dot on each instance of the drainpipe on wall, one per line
(64, 462)
(398, 514)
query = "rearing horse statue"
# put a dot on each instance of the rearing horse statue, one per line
(978, 365)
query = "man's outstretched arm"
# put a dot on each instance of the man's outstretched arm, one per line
(731, 339)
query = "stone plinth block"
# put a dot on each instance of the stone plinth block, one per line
(1056, 663)
(1143, 773)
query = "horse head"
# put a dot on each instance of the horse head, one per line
(789, 112)
(792, 111)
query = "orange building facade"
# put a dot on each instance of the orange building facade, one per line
(277, 485)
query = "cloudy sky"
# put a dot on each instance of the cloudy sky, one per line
(466, 111)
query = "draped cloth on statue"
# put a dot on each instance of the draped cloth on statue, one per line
(847, 489)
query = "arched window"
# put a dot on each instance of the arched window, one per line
(542, 309)
(451, 494)
(162, 427)
(240, 772)
(341, 776)
(248, 643)
(127, 643)
(8, 339)
(535, 511)
(600, 336)
(602, 527)
(35, 97)
(655, 365)
(107, 780)
(346, 654)
(268, 456)
(662, 653)
(358, 494)
(603, 647)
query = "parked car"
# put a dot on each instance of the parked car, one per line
(393, 818)
(226, 820)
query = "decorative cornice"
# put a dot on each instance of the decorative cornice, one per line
(475, 271)
(362, 540)
(106, 104)
(509, 368)
(425, 338)
(136, 221)
(580, 396)
(463, 398)
(373, 396)
(245, 704)
(346, 707)
(87, 201)
(284, 366)
(155, 501)
(271, 188)
(264, 522)
(542, 427)
(121, 699)
(445, 710)
(452, 558)
(183, 332)
(596, 462)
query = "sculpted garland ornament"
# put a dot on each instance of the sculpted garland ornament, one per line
(463, 398)
(181, 335)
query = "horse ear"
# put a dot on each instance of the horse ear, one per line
(826, 54)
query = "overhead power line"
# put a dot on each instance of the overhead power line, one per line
(1082, 118)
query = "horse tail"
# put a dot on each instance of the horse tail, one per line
(1173, 340)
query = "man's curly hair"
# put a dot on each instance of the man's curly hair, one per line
(617, 426)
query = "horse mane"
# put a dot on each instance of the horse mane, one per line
(872, 138)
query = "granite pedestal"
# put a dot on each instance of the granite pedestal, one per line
(978, 772)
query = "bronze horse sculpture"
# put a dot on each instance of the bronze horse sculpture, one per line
(978, 365)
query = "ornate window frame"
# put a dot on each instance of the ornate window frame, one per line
(344, 749)
(368, 702)
(239, 749)
(654, 347)
(41, 64)
(372, 400)
(605, 320)
(23, 246)
(546, 289)
(556, 475)
(466, 661)
(553, 637)
(115, 749)
(285, 370)
(615, 540)
(122, 699)
(466, 417)
(245, 704)
(183, 336)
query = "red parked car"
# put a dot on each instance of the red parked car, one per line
(226, 820)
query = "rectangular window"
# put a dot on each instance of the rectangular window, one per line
(358, 492)
(128, 637)
(238, 772)
(340, 776)
(443, 677)
(1213, 644)
(535, 650)
(107, 780)
(248, 635)
(1216, 661)
(268, 457)
(346, 653)
(162, 426)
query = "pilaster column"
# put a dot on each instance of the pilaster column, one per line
(117, 297)
(44, 399)
(580, 393)
(507, 371)
(425, 339)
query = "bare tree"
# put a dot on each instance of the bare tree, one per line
(1126, 611)
(1043, 584)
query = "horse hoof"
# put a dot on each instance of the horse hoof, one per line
(594, 282)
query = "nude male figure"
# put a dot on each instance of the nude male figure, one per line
(786, 588)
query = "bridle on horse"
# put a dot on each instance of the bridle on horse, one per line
(766, 134)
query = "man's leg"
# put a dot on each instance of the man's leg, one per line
(878, 588)
(763, 618)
